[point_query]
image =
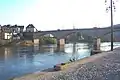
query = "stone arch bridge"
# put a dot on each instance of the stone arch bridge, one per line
(63, 34)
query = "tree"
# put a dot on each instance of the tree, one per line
(47, 40)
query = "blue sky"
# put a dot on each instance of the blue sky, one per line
(12, 11)
(57, 14)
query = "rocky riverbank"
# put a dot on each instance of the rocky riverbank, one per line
(103, 66)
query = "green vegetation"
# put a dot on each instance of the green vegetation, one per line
(47, 40)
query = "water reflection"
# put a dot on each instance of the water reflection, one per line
(5, 53)
(60, 48)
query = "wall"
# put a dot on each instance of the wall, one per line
(29, 29)
(62, 41)
(36, 41)
(28, 35)
(7, 35)
(2, 42)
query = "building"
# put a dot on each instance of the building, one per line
(7, 31)
(31, 28)
(21, 28)
(17, 29)
(0, 32)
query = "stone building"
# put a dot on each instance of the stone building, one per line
(7, 31)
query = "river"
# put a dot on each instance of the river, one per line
(17, 61)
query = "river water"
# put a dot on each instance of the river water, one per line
(17, 61)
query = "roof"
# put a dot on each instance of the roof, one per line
(13, 26)
(30, 26)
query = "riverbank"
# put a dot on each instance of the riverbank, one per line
(97, 67)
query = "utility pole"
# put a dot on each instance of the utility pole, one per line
(111, 8)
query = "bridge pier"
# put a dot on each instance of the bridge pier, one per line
(60, 45)
(60, 42)
(36, 41)
(96, 46)
(60, 48)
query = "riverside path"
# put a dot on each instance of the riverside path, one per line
(102, 66)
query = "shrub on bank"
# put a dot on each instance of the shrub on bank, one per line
(47, 40)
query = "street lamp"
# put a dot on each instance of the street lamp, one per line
(111, 8)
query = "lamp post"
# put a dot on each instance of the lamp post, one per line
(111, 8)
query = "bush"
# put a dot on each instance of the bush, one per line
(47, 40)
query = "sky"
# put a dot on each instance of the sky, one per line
(57, 14)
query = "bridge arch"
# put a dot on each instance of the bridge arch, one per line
(47, 39)
(78, 37)
(48, 35)
(107, 35)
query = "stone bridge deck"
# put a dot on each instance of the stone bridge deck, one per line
(103, 66)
